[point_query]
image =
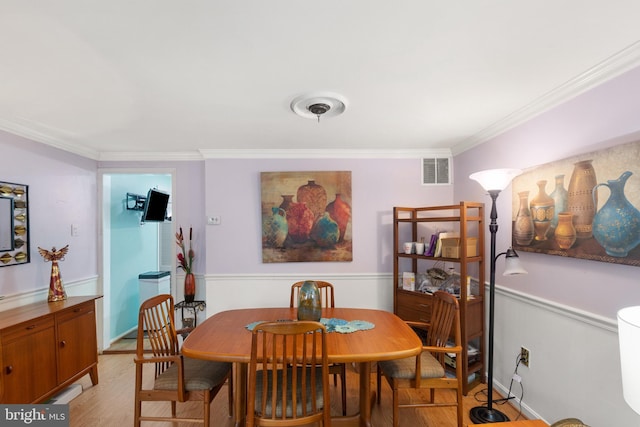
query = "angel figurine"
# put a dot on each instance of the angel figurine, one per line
(56, 290)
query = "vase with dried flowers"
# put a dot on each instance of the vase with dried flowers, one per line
(185, 262)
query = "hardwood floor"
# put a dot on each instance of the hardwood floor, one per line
(110, 403)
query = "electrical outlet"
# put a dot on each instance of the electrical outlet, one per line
(524, 356)
(214, 220)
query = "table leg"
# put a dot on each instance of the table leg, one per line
(363, 418)
(365, 394)
(240, 398)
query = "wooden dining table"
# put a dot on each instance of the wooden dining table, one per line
(224, 337)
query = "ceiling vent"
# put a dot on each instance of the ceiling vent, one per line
(436, 171)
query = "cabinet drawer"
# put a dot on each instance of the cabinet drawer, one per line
(78, 310)
(414, 306)
(25, 328)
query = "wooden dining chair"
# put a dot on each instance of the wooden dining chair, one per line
(176, 378)
(328, 300)
(288, 375)
(428, 371)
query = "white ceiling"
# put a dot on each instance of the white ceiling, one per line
(159, 78)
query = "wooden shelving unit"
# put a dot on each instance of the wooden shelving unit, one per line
(412, 224)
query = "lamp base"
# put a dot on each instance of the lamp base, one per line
(484, 415)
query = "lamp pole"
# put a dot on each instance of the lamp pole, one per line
(482, 414)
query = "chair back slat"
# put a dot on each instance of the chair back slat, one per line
(287, 361)
(157, 317)
(443, 315)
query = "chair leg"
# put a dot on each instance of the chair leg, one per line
(396, 409)
(137, 413)
(343, 384)
(378, 381)
(173, 408)
(230, 390)
(459, 407)
(207, 407)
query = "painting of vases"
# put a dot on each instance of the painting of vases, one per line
(306, 216)
(594, 216)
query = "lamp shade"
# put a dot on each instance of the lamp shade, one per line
(629, 336)
(495, 179)
(512, 266)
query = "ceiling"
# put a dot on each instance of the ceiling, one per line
(125, 79)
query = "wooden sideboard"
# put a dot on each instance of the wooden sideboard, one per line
(46, 346)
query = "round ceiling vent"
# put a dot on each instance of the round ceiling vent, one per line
(317, 105)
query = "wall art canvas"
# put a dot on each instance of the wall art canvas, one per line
(306, 216)
(582, 207)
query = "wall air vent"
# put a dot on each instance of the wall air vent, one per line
(436, 171)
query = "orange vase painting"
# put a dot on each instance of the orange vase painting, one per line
(596, 218)
(315, 208)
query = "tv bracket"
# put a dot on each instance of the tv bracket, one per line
(135, 202)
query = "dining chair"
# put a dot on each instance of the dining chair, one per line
(176, 378)
(288, 375)
(328, 301)
(428, 370)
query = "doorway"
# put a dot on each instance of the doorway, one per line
(130, 247)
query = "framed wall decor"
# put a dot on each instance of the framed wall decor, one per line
(14, 224)
(306, 216)
(582, 207)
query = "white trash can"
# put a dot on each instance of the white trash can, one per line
(154, 283)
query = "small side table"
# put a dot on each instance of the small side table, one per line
(192, 306)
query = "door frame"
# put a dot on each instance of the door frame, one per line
(104, 264)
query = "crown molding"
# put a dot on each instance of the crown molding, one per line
(611, 67)
(325, 154)
(149, 156)
(29, 130)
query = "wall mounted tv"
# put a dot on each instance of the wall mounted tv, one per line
(155, 207)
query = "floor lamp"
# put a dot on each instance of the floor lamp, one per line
(494, 181)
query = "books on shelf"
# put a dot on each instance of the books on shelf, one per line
(432, 245)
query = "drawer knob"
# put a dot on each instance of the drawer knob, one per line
(63, 343)
(8, 369)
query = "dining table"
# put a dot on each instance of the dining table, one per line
(355, 335)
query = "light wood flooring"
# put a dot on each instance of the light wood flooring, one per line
(111, 402)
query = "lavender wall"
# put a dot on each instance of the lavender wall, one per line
(600, 118)
(233, 192)
(564, 310)
(62, 192)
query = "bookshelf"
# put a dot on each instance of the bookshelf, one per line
(464, 225)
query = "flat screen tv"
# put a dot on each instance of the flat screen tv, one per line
(155, 207)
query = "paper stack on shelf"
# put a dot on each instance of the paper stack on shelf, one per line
(408, 281)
